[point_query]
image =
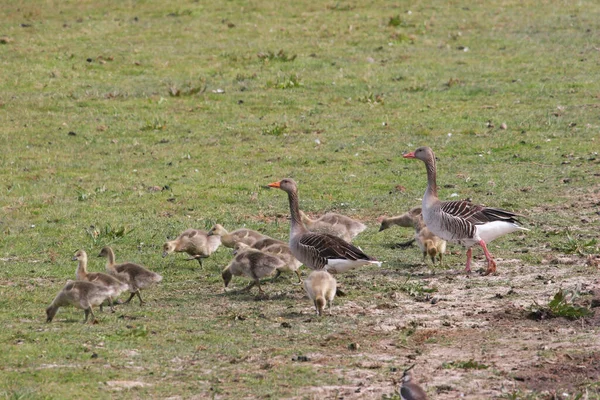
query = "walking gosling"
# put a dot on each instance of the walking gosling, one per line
(115, 286)
(320, 287)
(80, 294)
(253, 264)
(194, 242)
(136, 276)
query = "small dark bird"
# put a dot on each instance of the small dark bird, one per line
(410, 390)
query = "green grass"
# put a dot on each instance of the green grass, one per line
(125, 123)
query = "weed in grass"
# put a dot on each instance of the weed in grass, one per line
(578, 246)
(286, 82)
(275, 129)
(281, 56)
(415, 288)
(560, 306)
(372, 98)
(156, 124)
(470, 364)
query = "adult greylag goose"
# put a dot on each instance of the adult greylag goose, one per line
(320, 287)
(253, 264)
(410, 390)
(406, 220)
(135, 275)
(194, 242)
(461, 221)
(319, 250)
(113, 284)
(80, 294)
(334, 224)
(229, 239)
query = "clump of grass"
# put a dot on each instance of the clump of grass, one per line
(156, 124)
(188, 90)
(107, 234)
(470, 364)
(286, 82)
(281, 56)
(415, 288)
(372, 98)
(560, 306)
(577, 246)
(275, 129)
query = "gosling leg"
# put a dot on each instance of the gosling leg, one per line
(140, 297)
(275, 277)
(299, 277)
(130, 297)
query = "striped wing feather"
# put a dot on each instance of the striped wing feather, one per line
(323, 247)
(477, 214)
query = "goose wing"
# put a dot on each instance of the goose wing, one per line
(477, 214)
(323, 247)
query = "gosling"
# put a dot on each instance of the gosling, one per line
(229, 239)
(136, 276)
(320, 287)
(253, 264)
(115, 286)
(334, 224)
(194, 242)
(80, 294)
(281, 250)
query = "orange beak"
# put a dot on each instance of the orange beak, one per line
(409, 155)
(275, 184)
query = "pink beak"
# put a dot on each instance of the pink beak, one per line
(409, 155)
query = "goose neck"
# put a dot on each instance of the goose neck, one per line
(296, 220)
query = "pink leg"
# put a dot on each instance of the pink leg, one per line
(469, 255)
(491, 263)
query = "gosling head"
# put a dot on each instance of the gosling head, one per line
(240, 247)
(385, 223)
(217, 230)
(320, 305)
(168, 248)
(104, 252)
(50, 313)
(79, 255)
(226, 275)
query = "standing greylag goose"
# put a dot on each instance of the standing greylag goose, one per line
(462, 221)
(410, 390)
(80, 294)
(334, 224)
(115, 286)
(320, 287)
(229, 239)
(252, 263)
(194, 242)
(319, 250)
(136, 276)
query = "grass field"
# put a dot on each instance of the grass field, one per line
(124, 123)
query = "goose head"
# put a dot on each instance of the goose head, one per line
(424, 154)
(239, 247)
(287, 185)
(105, 252)
(80, 255)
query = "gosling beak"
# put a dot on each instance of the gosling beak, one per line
(74, 258)
(381, 228)
(409, 155)
(165, 253)
(275, 185)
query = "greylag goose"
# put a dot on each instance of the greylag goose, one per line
(406, 220)
(334, 224)
(320, 287)
(80, 294)
(253, 264)
(136, 276)
(115, 286)
(319, 250)
(229, 239)
(410, 390)
(461, 221)
(194, 242)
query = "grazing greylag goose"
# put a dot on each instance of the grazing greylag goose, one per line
(136, 276)
(461, 221)
(253, 264)
(229, 239)
(115, 286)
(406, 220)
(80, 294)
(319, 250)
(194, 242)
(320, 287)
(410, 390)
(334, 224)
